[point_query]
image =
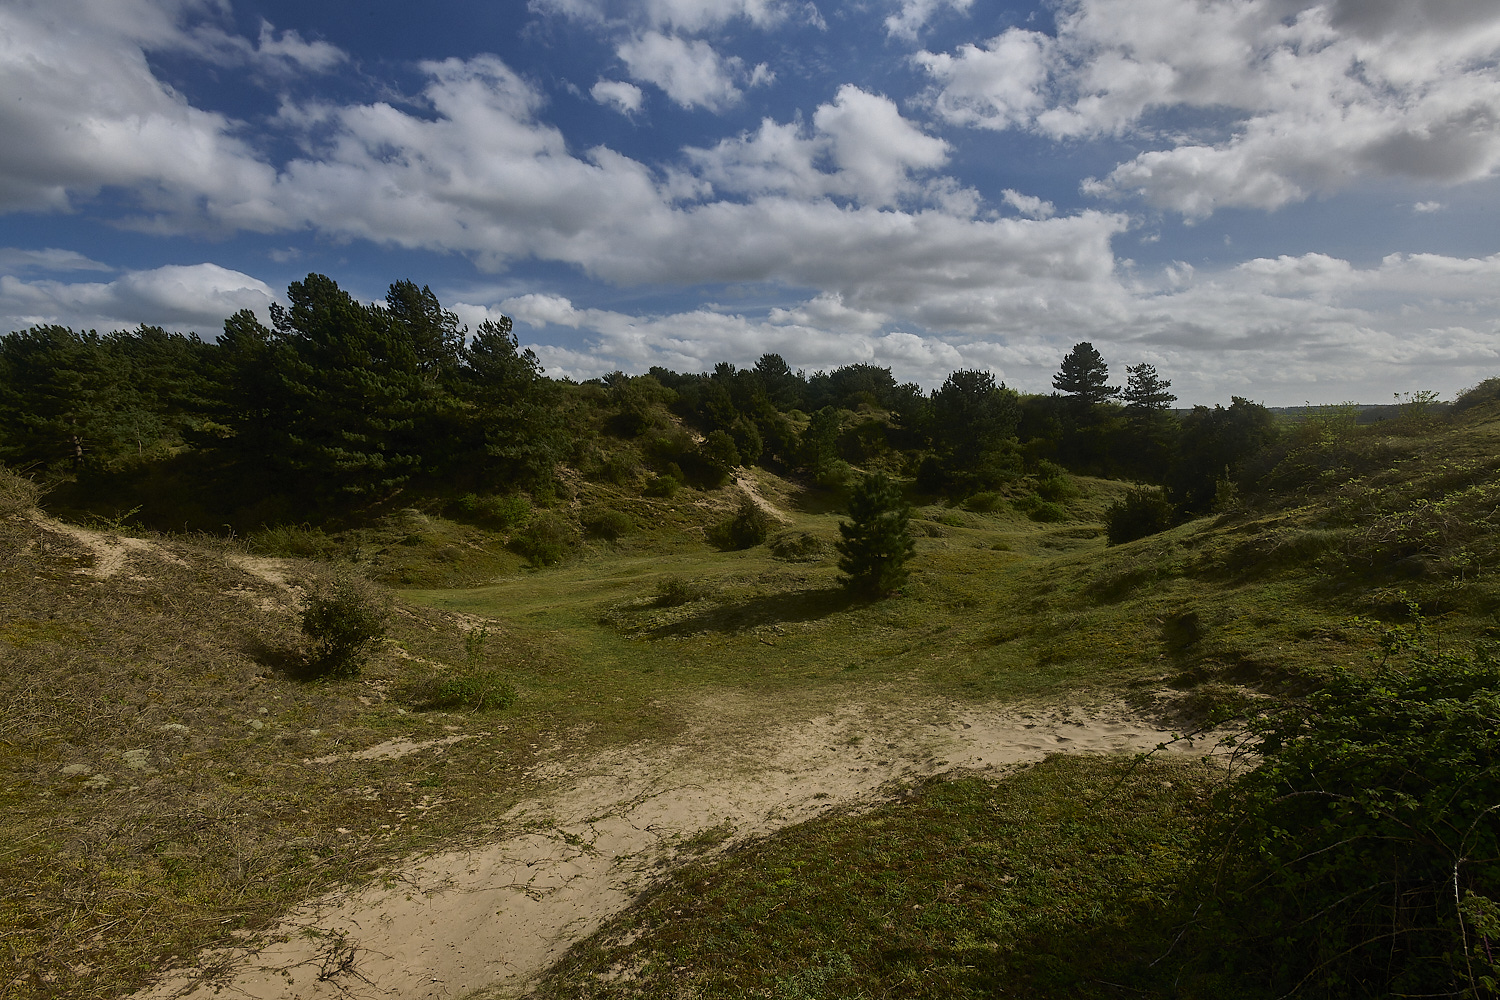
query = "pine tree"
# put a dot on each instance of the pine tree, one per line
(876, 544)
(1146, 390)
(1085, 375)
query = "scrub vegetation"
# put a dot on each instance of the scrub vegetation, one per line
(282, 609)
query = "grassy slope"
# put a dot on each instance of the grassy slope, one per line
(227, 827)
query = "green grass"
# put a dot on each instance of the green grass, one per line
(1057, 881)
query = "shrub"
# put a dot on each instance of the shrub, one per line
(545, 541)
(343, 618)
(501, 511)
(1485, 392)
(468, 690)
(672, 591)
(1139, 513)
(798, 546)
(1362, 858)
(298, 541)
(1053, 482)
(747, 528)
(607, 524)
(662, 486)
(1038, 509)
(985, 503)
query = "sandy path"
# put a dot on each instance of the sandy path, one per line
(490, 919)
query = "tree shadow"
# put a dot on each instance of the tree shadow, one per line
(773, 609)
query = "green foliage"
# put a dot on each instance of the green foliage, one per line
(343, 618)
(1053, 482)
(1145, 390)
(973, 426)
(503, 512)
(1139, 513)
(475, 688)
(749, 526)
(986, 502)
(664, 485)
(798, 546)
(300, 541)
(1084, 375)
(672, 591)
(1362, 857)
(876, 542)
(546, 540)
(720, 454)
(1482, 395)
(1038, 509)
(606, 523)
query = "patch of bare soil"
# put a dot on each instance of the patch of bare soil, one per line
(752, 493)
(111, 552)
(492, 918)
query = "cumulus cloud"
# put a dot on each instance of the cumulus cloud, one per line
(690, 16)
(691, 73)
(872, 149)
(625, 98)
(913, 15)
(193, 297)
(1325, 93)
(1028, 205)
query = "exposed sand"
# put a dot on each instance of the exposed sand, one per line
(111, 552)
(492, 918)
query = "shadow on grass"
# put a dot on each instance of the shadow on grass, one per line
(795, 606)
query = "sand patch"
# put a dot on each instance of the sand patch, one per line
(392, 749)
(752, 493)
(111, 552)
(494, 917)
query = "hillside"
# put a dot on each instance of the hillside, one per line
(172, 782)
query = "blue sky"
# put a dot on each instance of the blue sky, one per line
(1286, 200)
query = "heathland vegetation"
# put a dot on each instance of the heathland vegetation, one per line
(233, 571)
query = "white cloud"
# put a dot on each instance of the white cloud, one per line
(83, 111)
(872, 149)
(690, 16)
(913, 15)
(194, 297)
(1321, 94)
(625, 98)
(1029, 205)
(691, 73)
(1428, 206)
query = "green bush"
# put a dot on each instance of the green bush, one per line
(1053, 482)
(986, 502)
(298, 541)
(673, 591)
(546, 540)
(1038, 509)
(662, 486)
(1362, 857)
(607, 524)
(502, 512)
(798, 546)
(1485, 392)
(747, 528)
(467, 690)
(1139, 513)
(343, 618)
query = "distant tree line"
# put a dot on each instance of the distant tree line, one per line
(337, 402)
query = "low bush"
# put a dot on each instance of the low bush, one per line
(1485, 392)
(1139, 513)
(673, 591)
(1362, 857)
(798, 546)
(747, 528)
(502, 512)
(986, 502)
(467, 690)
(546, 540)
(607, 524)
(343, 618)
(663, 486)
(297, 541)
(1053, 482)
(1038, 509)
